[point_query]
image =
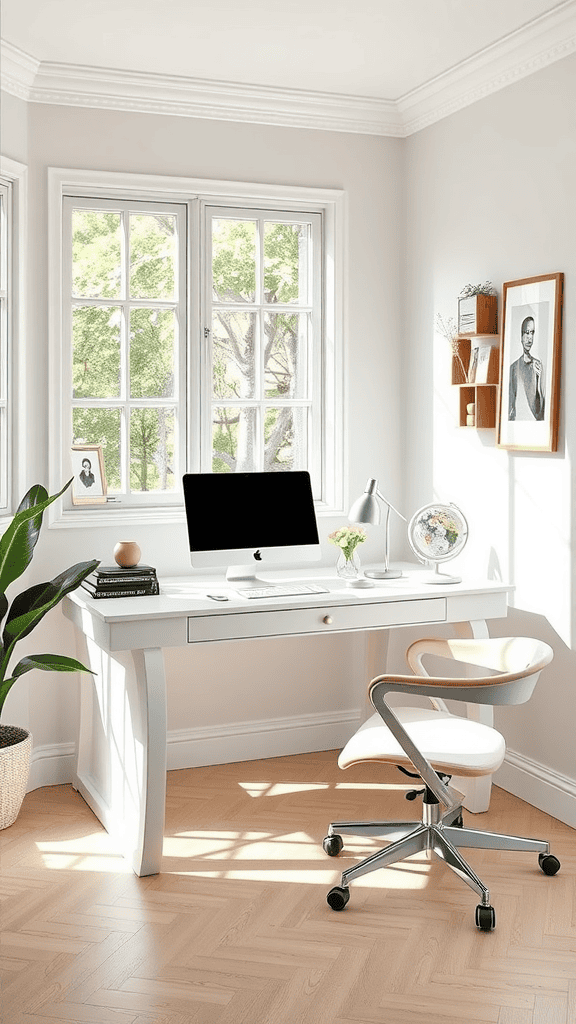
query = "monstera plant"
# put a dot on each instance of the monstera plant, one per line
(17, 620)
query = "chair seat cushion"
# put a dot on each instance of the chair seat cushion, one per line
(453, 745)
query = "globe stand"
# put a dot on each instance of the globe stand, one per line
(440, 577)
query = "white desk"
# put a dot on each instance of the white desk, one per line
(121, 753)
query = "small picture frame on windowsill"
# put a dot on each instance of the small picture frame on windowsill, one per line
(89, 481)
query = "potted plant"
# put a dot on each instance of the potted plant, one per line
(17, 619)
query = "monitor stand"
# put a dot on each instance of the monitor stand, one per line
(245, 575)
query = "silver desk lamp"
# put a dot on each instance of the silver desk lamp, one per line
(366, 509)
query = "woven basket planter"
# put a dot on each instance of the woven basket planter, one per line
(15, 753)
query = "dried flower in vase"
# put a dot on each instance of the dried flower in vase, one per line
(477, 289)
(446, 326)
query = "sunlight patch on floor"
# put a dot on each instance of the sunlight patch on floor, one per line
(96, 852)
(290, 857)
(256, 789)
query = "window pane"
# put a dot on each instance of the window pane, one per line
(152, 256)
(152, 450)
(233, 371)
(234, 260)
(286, 262)
(96, 351)
(152, 353)
(96, 254)
(286, 355)
(233, 440)
(285, 439)
(101, 426)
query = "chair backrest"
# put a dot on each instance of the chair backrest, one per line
(509, 654)
(514, 664)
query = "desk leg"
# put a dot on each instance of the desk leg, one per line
(121, 767)
(477, 791)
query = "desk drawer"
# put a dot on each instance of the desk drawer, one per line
(294, 621)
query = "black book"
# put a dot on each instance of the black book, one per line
(145, 590)
(129, 580)
(117, 571)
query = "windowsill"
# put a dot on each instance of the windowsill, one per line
(108, 515)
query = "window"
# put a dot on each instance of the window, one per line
(126, 331)
(193, 330)
(4, 339)
(264, 298)
(12, 225)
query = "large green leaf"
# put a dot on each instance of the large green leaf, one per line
(3, 606)
(49, 663)
(35, 496)
(17, 543)
(45, 662)
(32, 605)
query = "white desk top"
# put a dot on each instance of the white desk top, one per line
(187, 595)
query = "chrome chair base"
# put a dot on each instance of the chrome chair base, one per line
(440, 836)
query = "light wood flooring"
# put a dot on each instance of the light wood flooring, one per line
(236, 929)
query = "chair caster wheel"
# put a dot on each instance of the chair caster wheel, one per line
(338, 897)
(485, 918)
(549, 863)
(332, 845)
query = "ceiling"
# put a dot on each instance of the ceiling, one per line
(387, 66)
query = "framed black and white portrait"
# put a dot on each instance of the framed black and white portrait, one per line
(530, 355)
(89, 482)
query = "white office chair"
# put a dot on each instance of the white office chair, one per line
(438, 745)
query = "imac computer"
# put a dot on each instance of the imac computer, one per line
(250, 521)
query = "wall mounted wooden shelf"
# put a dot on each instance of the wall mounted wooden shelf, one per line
(478, 314)
(482, 395)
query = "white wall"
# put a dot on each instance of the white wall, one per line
(490, 195)
(258, 680)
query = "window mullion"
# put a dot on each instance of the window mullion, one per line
(124, 356)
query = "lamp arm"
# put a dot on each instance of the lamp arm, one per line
(386, 502)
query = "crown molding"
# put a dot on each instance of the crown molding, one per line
(113, 89)
(18, 70)
(521, 53)
(541, 42)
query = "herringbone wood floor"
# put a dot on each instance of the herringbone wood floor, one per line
(236, 929)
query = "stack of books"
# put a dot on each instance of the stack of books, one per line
(113, 581)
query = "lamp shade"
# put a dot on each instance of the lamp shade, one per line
(366, 509)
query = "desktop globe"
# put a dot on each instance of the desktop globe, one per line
(438, 533)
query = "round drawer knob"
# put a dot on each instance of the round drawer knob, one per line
(327, 620)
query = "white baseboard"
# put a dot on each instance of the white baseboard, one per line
(249, 741)
(532, 782)
(51, 765)
(54, 765)
(538, 786)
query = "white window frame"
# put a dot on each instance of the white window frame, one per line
(124, 403)
(313, 307)
(13, 181)
(198, 194)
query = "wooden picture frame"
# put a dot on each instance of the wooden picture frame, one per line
(89, 481)
(529, 403)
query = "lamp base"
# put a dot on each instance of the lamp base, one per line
(383, 574)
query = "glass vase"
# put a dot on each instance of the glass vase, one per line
(348, 568)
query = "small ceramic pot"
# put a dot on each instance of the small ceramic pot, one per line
(127, 553)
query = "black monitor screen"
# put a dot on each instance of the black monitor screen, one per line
(249, 510)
